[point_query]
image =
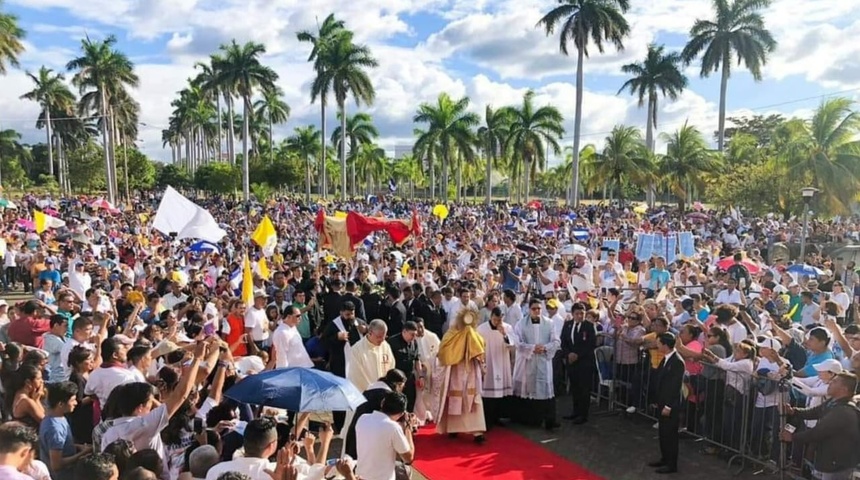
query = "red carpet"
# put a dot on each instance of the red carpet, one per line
(504, 456)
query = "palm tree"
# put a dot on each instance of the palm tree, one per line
(10, 40)
(371, 164)
(272, 107)
(660, 72)
(52, 94)
(449, 130)
(348, 77)
(737, 30)
(582, 21)
(492, 137)
(359, 131)
(826, 149)
(531, 131)
(686, 162)
(326, 35)
(241, 69)
(207, 81)
(103, 74)
(623, 160)
(306, 145)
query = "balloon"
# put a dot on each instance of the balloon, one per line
(339, 214)
(440, 211)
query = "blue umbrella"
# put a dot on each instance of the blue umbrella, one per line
(804, 269)
(204, 246)
(297, 389)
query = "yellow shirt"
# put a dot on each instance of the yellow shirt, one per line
(656, 356)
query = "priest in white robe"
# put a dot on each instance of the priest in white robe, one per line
(428, 347)
(537, 343)
(371, 358)
(499, 342)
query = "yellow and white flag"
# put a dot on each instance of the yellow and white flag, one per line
(44, 221)
(247, 283)
(266, 236)
(263, 269)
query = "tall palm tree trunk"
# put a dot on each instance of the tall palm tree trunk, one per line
(459, 195)
(220, 127)
(444, 187)
(106, 143)
(577, 125)
(342, 106)
(526, 177)
(50, 142)
(60, 168)
(308, 180)
(246, 180)
(323, 182)
(724, 84)
(231, 137)
(651, 194)
(271, 140)
(114, 136)
(432, 176)
(489, 180)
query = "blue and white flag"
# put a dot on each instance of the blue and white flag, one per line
(686, 245)
(671, 247)
(236, 278)
(644, 246)
(392, 185)
(609, 244)
(580, 234)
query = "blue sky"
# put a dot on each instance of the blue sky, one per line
(486, 49)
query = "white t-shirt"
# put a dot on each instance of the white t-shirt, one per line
(103, 380)
(552, 276)
(255, 468)
(728, 297)
(737, 332)
(290, 351)
(170, 300)
(379, 439)
(65, 370)
(143, 432)
(256, 320)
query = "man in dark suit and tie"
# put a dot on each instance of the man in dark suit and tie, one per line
(433, 314)
(396, 311)
(578, 341)
(350, 296)
(339, 336)
(670, 378)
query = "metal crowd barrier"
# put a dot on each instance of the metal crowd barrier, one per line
(735, 416)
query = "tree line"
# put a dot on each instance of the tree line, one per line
(234, 97)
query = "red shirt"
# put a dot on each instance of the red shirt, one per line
(625, 256)
(237, 329)
(28, 331)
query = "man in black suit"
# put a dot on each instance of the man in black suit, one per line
(396, 311)
(332, 301)
(406, 359)
(670, 378)
(410, 304)
(578, 341)
(433, 314)
(350, 296)
(338, 336)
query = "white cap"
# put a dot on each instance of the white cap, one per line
(830, 365)
(259, 293)
(770, 343)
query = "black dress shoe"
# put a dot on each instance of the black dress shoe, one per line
(657, 464)
(579, 420)
(480, 439)
(452, 435)
(666, 470)
(551, 426)
(569, 417)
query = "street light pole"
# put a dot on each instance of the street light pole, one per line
(807, 193)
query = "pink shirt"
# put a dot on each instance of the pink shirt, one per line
(692, 366)
(7, 472)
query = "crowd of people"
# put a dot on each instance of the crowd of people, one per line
(123, 340)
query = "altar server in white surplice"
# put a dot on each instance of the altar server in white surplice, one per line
(537, 342)
(498, 380)
(428, 347)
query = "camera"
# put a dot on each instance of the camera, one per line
(533, 264)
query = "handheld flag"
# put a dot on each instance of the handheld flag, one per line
(392, 185)
(263, 268)
(247, 283)
(43, 221)
(265, 236)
